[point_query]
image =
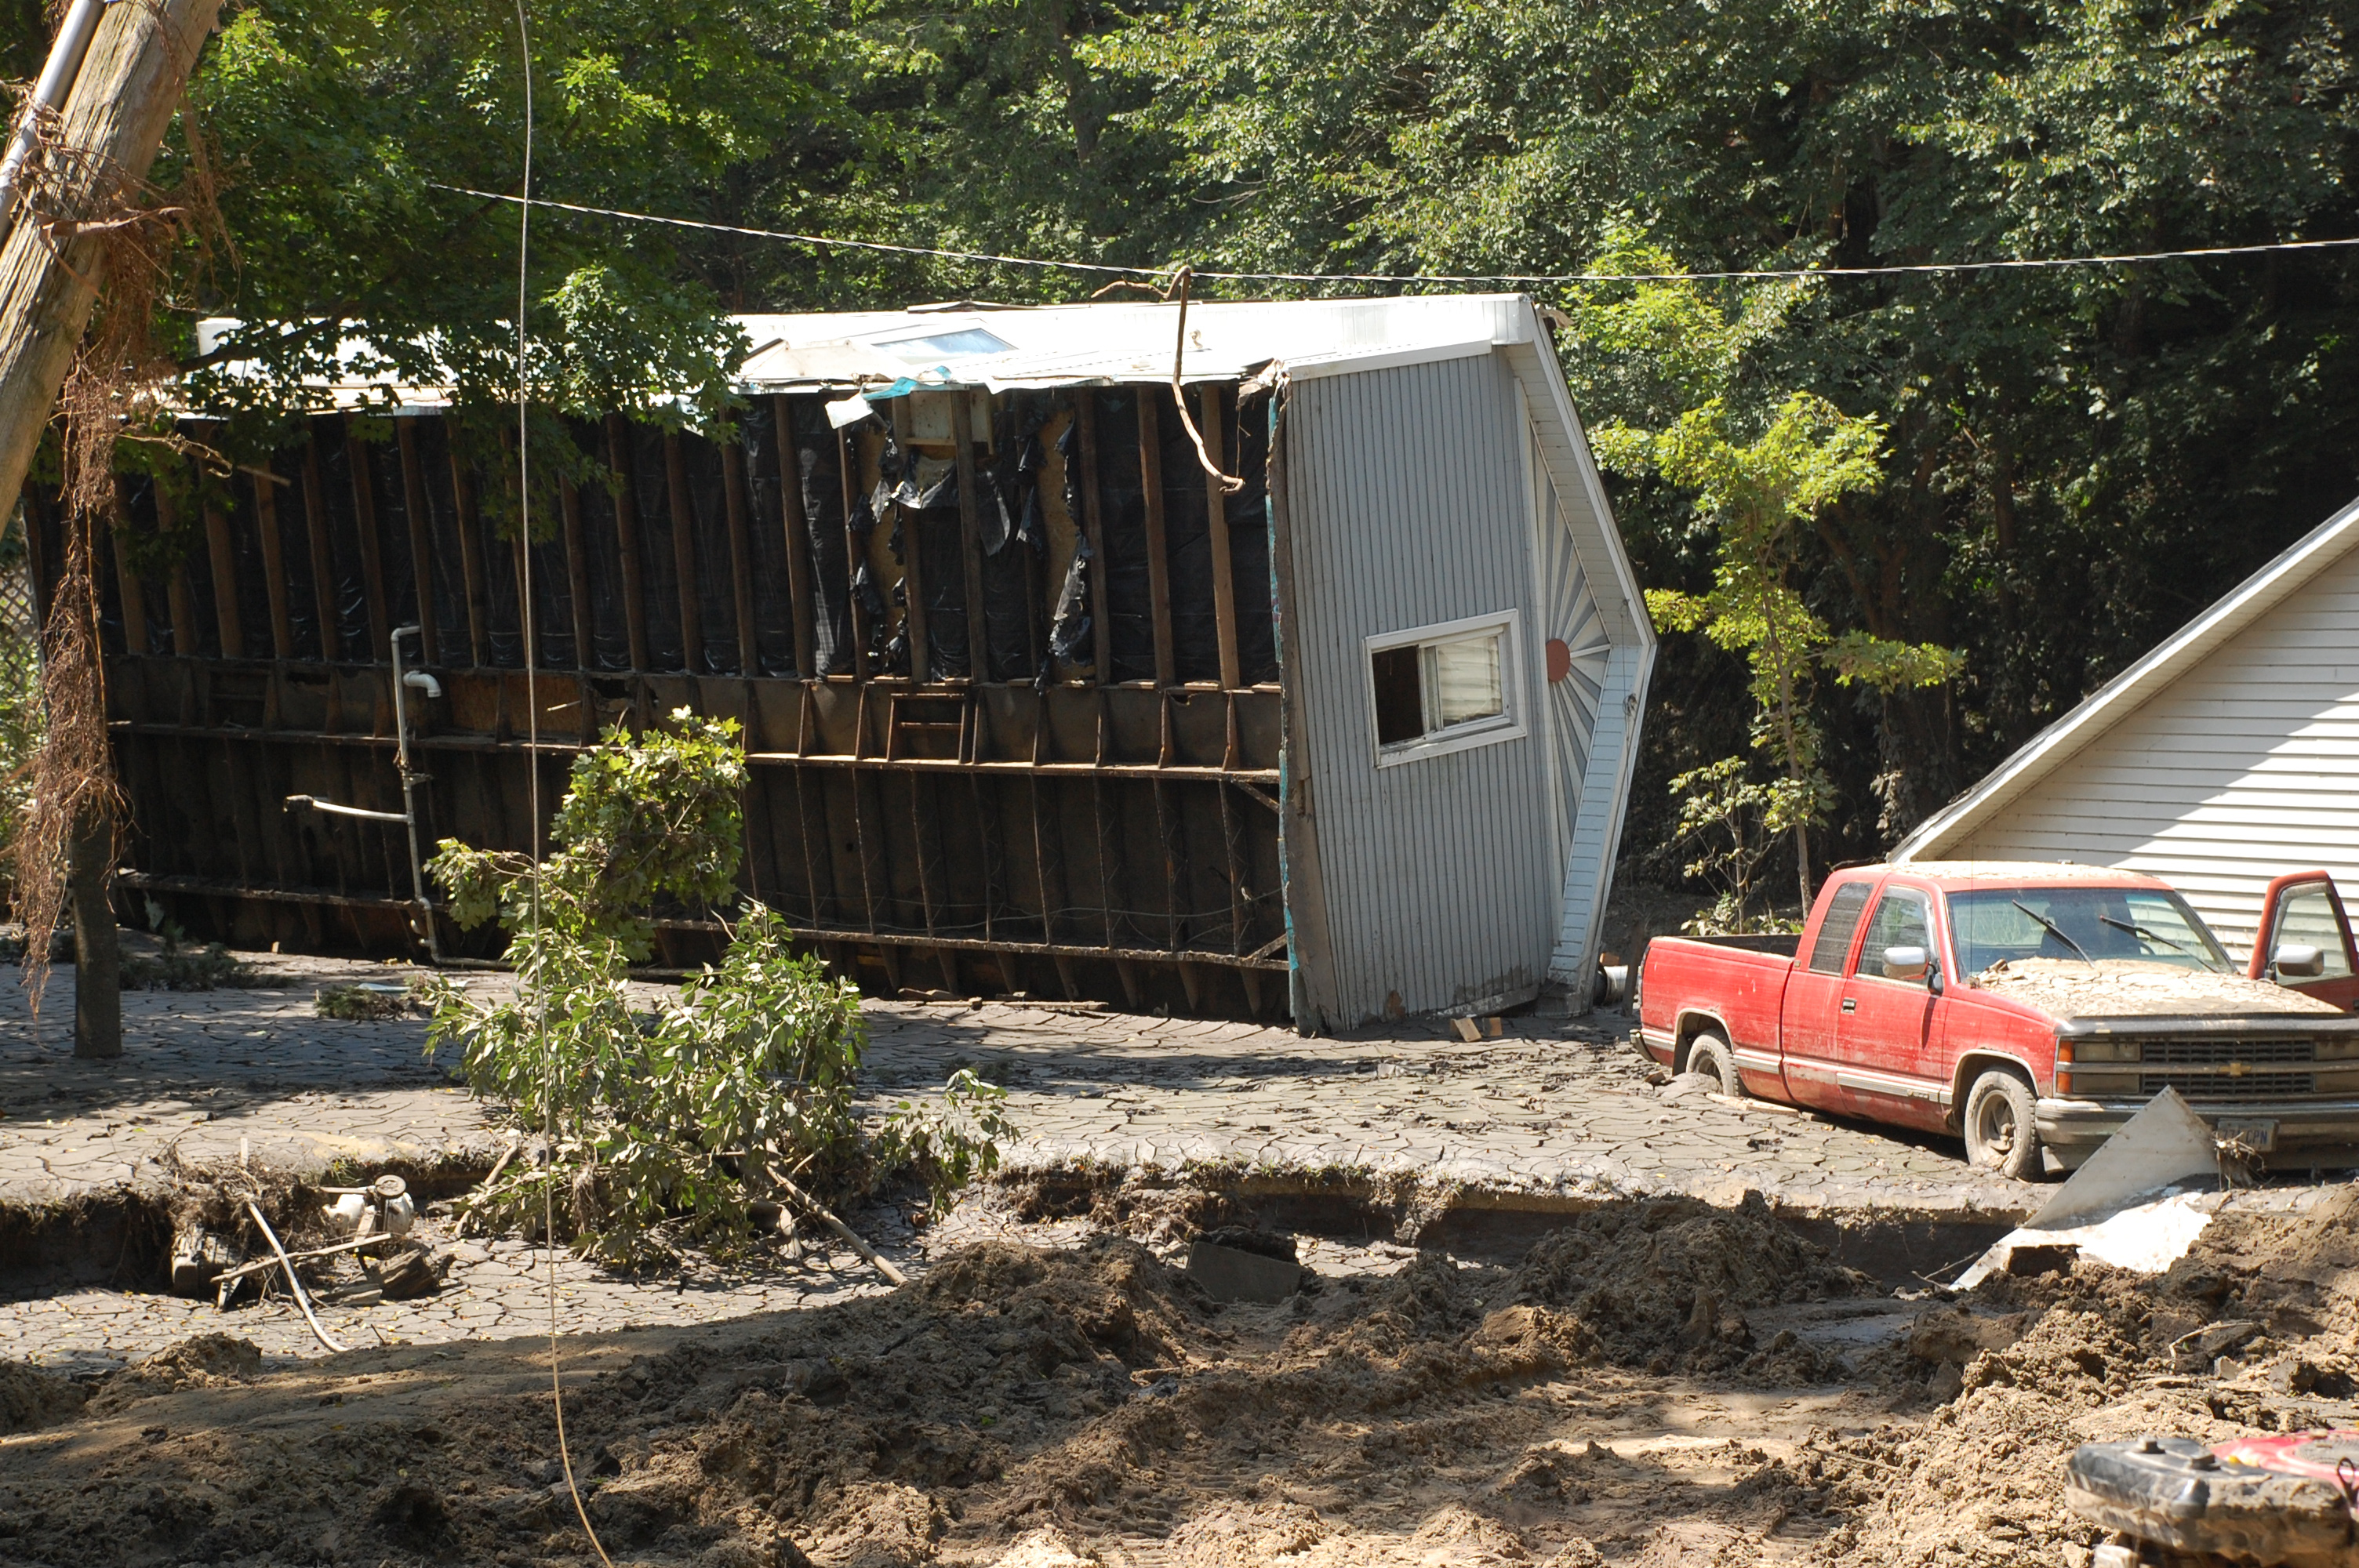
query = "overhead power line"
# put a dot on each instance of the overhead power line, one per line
(1739, 274)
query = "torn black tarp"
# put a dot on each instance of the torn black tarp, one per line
(1071, 635)
(817, 458)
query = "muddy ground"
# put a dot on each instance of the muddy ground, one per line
(1656, 1383)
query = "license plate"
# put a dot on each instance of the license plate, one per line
(2259, 1136)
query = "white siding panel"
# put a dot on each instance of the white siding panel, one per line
(2244, 768)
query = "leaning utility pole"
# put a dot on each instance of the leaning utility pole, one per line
(112, 104)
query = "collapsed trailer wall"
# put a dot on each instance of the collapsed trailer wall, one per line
(973, 768)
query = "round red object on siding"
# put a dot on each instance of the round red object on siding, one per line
(1560, 660)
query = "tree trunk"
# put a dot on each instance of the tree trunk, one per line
(129, 86)
(98, 954)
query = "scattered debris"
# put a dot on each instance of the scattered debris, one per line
(367, 1000)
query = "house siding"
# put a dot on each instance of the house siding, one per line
(1411, 508)
(2245, 767)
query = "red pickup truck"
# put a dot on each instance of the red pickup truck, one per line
(2030, 1008)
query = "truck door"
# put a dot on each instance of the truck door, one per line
(2304, 909)
(1885, 1028)
(1806, 1021)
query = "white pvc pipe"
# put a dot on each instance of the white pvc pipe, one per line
(50, 93)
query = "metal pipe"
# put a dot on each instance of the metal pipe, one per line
(50, 93)
(408, 788)
(306, 803)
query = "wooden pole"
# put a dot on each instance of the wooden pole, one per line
(1225, 579)
(1159, 558)
(129, 85)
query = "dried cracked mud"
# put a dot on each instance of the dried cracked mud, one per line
(1656, 1382)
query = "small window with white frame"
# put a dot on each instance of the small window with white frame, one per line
(1436, 689)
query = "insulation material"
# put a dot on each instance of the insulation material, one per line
(820, 470)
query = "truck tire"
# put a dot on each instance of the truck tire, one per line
(2001, 1134)
(1710, 1054)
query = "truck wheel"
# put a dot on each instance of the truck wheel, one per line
(2000, 1133)
(1710, 1054)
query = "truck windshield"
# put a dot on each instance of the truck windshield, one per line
(2150, 924)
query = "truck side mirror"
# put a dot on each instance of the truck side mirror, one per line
(2298, 960)
(1905, 963)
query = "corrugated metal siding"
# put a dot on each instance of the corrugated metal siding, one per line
(2246, 767)
(1409, 507)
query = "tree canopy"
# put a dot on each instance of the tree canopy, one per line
(2070, 463)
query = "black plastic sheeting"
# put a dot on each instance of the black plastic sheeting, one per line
(819, 470)
(1073, 633)
(1015, 541)
(775, 611)
(610, 627)
(1187, 540)
(447, 578)
(383, 456)
(650, 487)
(1248, 512)
(1122, 511)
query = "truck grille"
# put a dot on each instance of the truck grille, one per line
(2219, 1053)
(2222, 1085)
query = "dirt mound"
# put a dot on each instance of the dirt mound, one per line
(31, 1398)
(207, 1361)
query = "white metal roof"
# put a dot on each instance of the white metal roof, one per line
(2123, 695)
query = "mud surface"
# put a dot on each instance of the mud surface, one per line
(1656, 1383)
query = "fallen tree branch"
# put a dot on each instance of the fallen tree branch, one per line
(263, 1266)
(292, 1283)
(820, 1212)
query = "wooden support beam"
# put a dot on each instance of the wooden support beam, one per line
(978, 629)
(357, 458)
(797, 536)
(1093, 521)
(1158, 557)
(414, 505)
(627, 538)
(741, 555)
(913, 565)
(1216, 518)
(683, 555)
(577, 582)
(847, 475)
(225, 563)
(127, 586)
(470, 560)
(274, 568)
(178, 600)
(323, 557)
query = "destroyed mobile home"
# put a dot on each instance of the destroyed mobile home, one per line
(1032, 704)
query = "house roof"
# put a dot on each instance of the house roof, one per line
(2118, 698)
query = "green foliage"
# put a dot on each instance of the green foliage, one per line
(1729, 822)
(647, 816)
(669, 1126)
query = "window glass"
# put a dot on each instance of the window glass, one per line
(1903, 919)
(2306, 915)
(2101, 923)
(1400, 701)
(1845, 906)
(1461, 682)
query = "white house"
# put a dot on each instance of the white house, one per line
(2228, 755)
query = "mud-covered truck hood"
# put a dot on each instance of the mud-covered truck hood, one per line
(2067, 988)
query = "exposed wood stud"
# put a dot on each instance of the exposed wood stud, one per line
(978, 629)
(1110, 877)
(985, 796)
(225, 563)
(741, 555)
(847, 475)
(798, 533)
(1233, 848)
(1216, 516)
(577, 583)
(925, 837)
(1048, 861)
(414, 505)
(1093, 521)
(1159, 555)
(1191, 982)
(626, 533)
(470, 560)
(358, 459)
(274, 568)
(127, 586)
(913, 565)
(1171, 836)
(683, 554)
(324, 556)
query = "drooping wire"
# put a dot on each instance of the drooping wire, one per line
(534, 974)
(1764, 274)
